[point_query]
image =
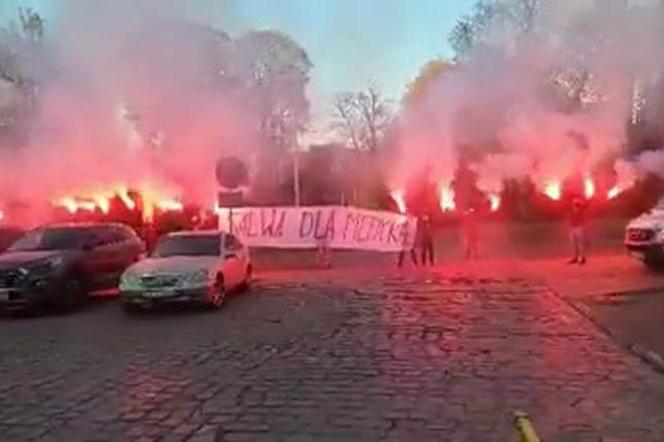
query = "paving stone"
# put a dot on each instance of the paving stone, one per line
(427, 357)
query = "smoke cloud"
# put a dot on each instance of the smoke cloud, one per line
(131, 93)
(552, 103)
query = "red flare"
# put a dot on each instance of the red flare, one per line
(588, 187)
(399, 199)
(169, 205)
(552, 190)
(103, 203)
(69, 204)
(494, 201)
(101, 200)
(446, 198)
(123, 194)
(614, 192)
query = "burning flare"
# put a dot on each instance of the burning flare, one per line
(123, 194)
(101, 201)
(614, 192)
(68, 203)
(170, 205)
(446, 198)
(588, 187)
(153, 201)
(494, 201)
(552, 190)
(90, 206)
(73, 205)
(400, 200)
(619, 188)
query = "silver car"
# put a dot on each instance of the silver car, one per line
(194, 266)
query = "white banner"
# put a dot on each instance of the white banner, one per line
(309, 227)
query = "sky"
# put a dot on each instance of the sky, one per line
(350, 42)
(354, 42)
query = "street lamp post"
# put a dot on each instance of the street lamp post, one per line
(296, 177)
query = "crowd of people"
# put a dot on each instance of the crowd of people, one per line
(470, 232)
(424, 239)
(422, 250)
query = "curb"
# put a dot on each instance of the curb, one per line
(648, 356)
(653, 359)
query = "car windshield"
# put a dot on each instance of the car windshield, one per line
(194, 245)
(50, 239)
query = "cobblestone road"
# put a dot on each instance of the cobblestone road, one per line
(397, 359)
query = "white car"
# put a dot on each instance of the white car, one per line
(644, 236)
(193, 266)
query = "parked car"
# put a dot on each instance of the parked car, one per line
(190, 266)
(59, 265)
(9, 235)
(644, 237)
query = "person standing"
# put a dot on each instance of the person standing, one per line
(470, 232)
(426, 240)
(323, 253)
(413, 253)
(577, 232)
(149, 235)
(413, 257)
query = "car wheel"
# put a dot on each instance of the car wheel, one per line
(247, 279)
(654, 263)
(131, 308)
(74, 294)
(218, 295)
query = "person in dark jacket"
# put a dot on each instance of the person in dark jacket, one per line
(426, 239)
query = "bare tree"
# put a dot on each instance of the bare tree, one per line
(274, 71)
(362, 118)
(32, 24)
(347, 122)
(429, 73)
(470, 30)
(20, 55)
(570, 83)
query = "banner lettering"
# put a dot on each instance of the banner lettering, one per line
(308, 227)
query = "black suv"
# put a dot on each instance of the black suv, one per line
(59, 265)
(9, 235)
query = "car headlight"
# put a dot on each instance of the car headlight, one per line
(198, 277)
(129, 279)
(43, 268)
